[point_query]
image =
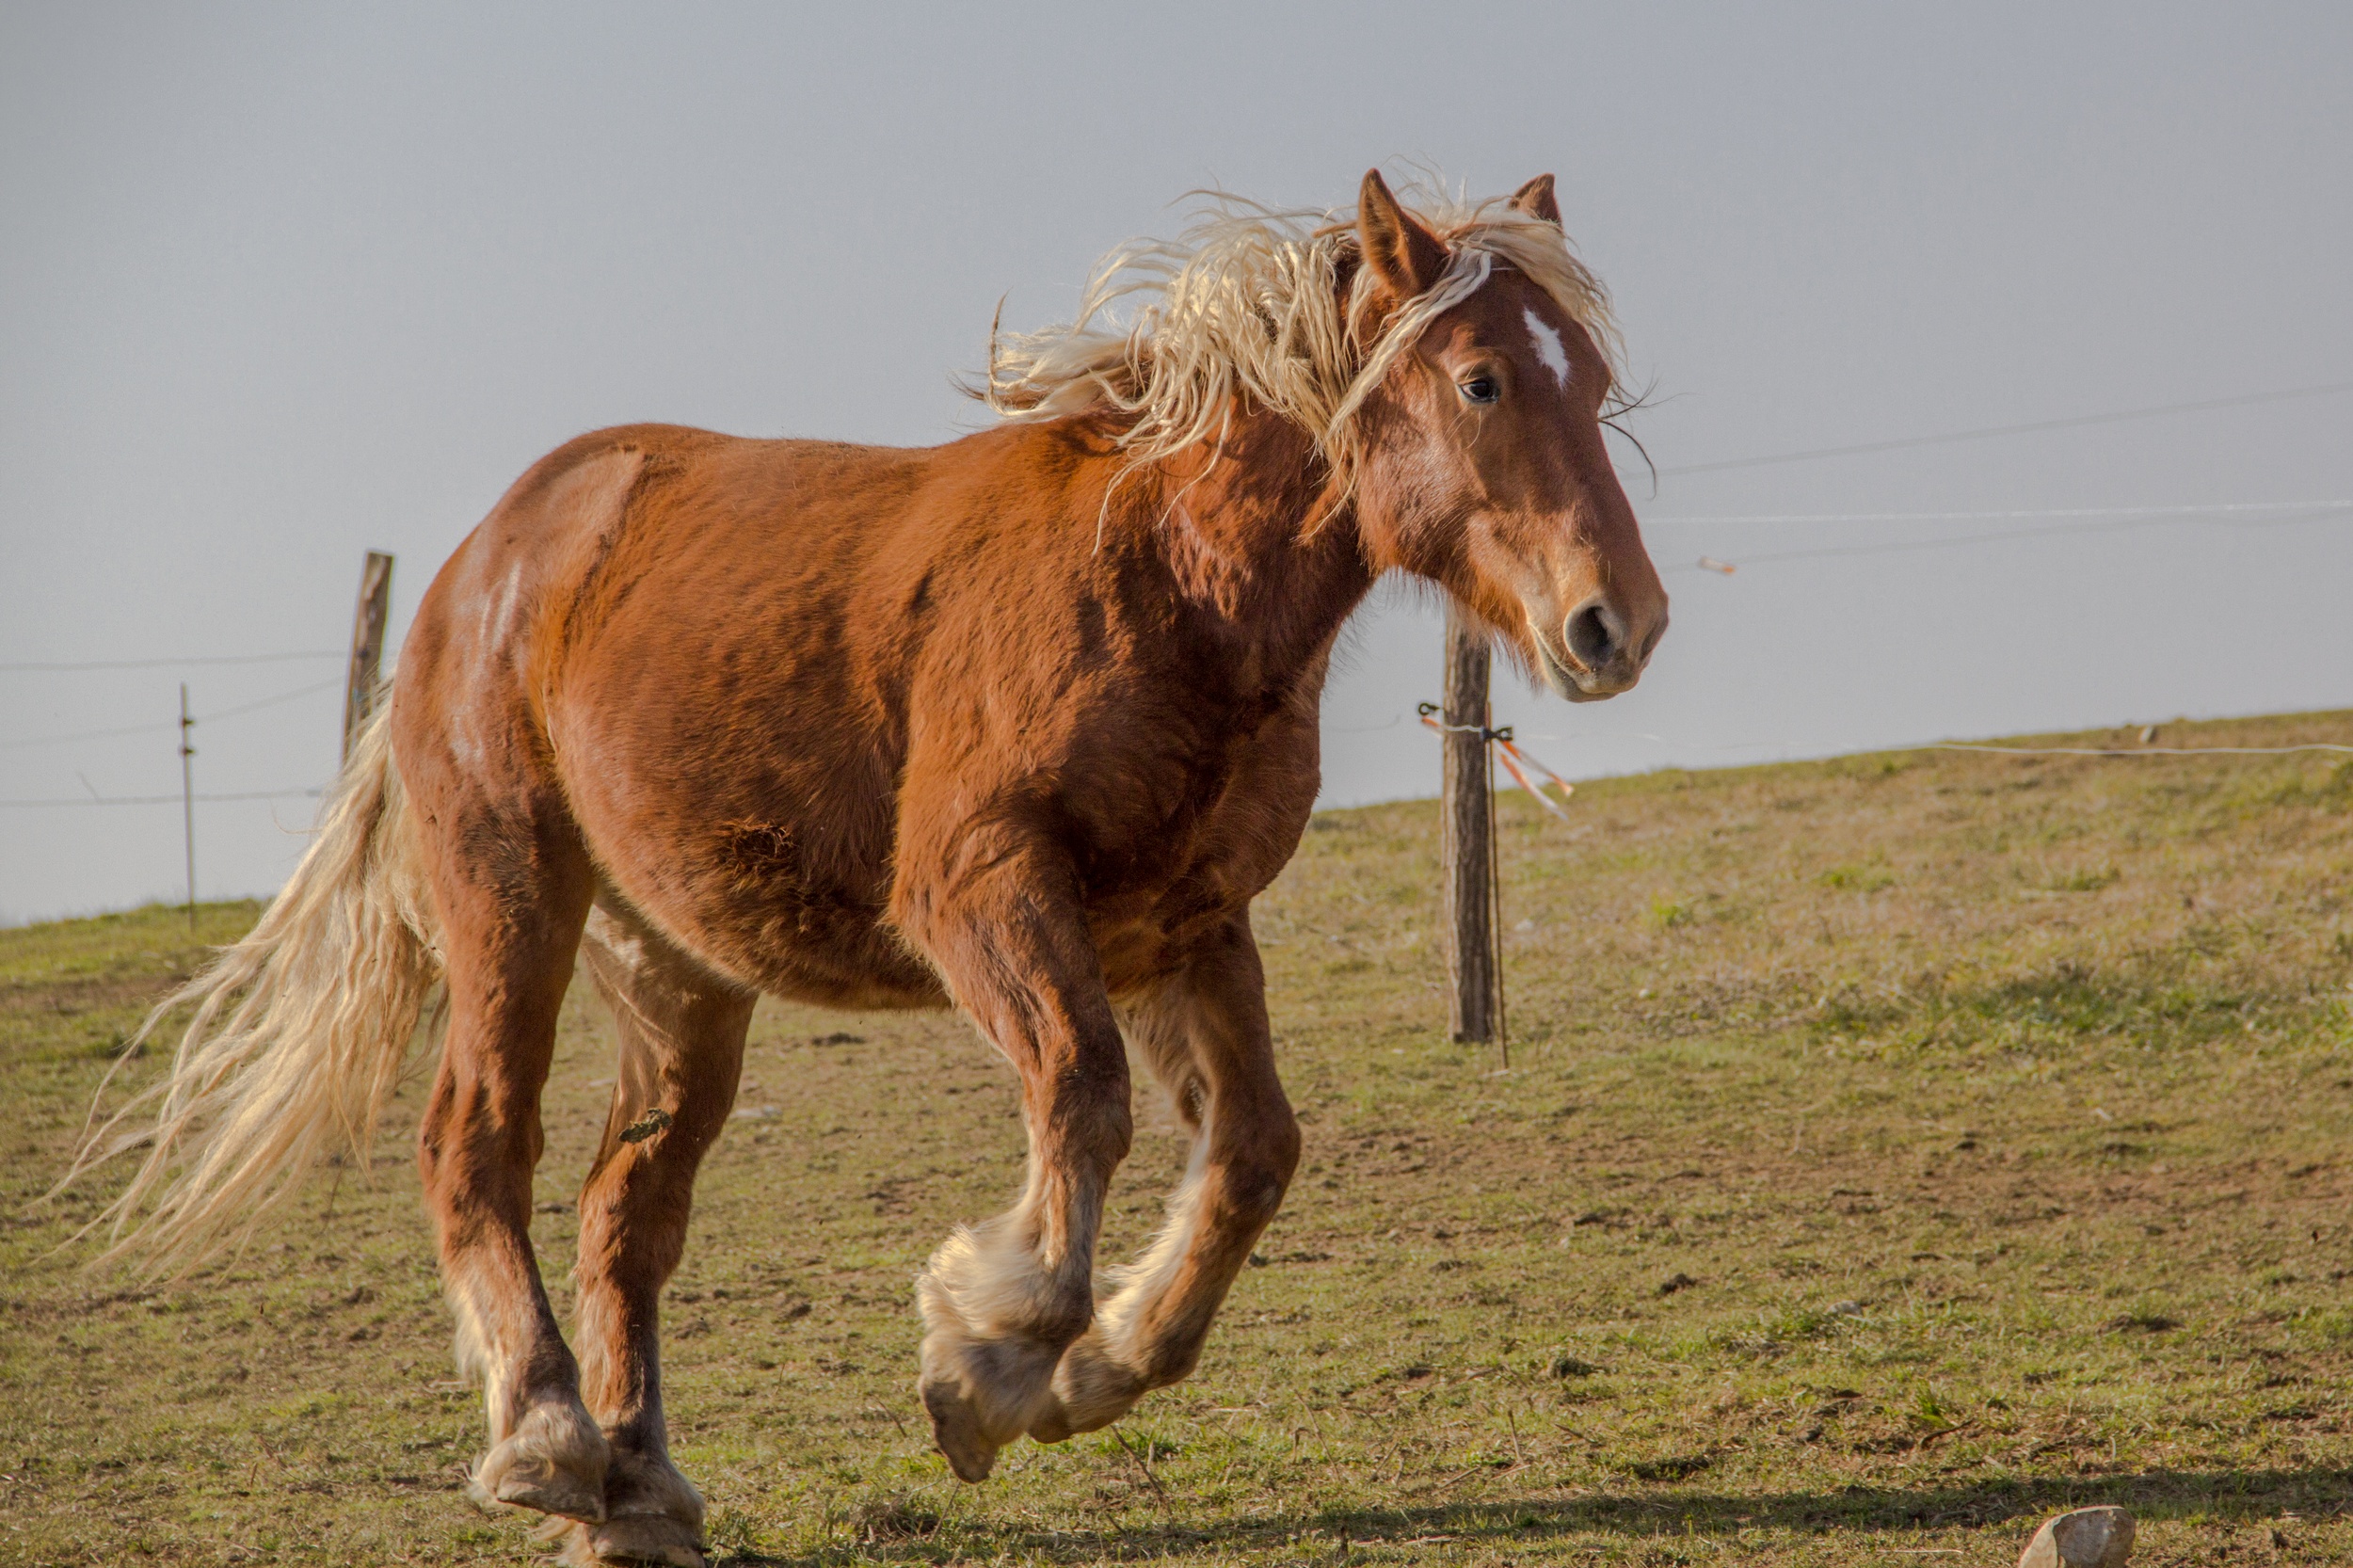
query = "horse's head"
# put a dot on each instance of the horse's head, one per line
(1482, 467)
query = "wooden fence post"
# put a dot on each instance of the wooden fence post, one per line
(367, 644)
(1468, 841)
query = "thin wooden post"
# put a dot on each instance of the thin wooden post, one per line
(367, 646)
(1467, 841)
(187, 796)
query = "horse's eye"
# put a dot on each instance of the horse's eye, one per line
(1479, 388)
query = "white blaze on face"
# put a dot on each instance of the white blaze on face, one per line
(1548, 346)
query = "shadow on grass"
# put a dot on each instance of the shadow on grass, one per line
(2154, 1494)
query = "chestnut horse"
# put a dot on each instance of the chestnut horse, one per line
(1019, 725)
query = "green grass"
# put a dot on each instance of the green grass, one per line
(1893, 1150)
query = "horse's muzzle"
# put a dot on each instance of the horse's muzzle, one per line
(1602, 650)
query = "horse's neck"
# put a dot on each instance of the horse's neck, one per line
(1252, 536)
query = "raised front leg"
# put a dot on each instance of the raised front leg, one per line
(998, 913)
(1205, 1034)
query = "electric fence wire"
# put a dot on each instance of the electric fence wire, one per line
(43, 667)
(154, 725)
(2093, 520)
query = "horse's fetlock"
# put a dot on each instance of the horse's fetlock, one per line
(639, 1485)
(1063, 1314)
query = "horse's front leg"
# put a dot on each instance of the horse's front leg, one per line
(1205, 1034)
(1004, 1298)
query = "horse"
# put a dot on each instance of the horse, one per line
(1018, 725)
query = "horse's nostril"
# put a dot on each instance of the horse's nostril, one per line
(1589, 637)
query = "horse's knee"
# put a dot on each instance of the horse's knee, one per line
(1249, 1196)
(1084, 1115)
(1255, 1175)
(1279, 1143)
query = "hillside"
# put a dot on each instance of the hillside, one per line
(1893, 1149)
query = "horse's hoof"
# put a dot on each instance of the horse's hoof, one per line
(539, 1485)
(1053, 1426)
(957, 1429)
(1090, 1390)
(554, 1462)
(645, 1538)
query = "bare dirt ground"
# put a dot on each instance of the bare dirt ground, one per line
(1893, 1150)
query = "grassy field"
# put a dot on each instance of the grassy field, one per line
(1893, 1150)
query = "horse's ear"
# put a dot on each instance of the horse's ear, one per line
(1536, 200)
(1406, 257)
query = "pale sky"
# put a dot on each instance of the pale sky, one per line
(281, 285)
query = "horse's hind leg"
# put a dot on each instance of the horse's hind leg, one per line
(513, 886)
(1204, 1034)
(681, 1047)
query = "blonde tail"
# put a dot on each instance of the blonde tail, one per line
(302, 1030)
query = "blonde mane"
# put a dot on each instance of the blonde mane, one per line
(1248, 304)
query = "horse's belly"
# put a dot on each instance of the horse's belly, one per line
(862, 969)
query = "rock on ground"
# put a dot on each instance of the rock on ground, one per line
(2084, 1538)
